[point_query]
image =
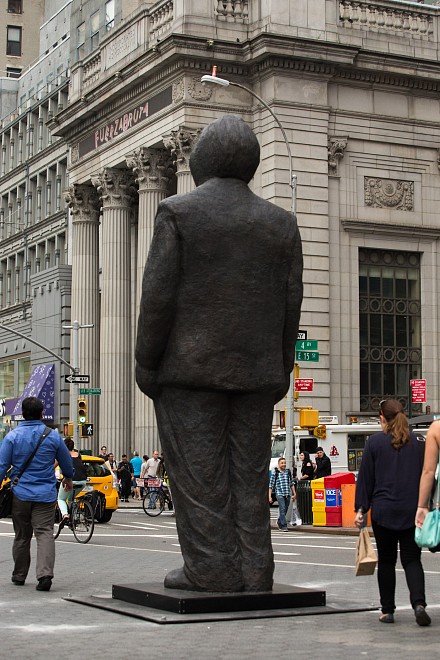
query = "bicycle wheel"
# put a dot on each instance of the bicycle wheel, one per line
(83, 522)
(153, 503)
(56, 524)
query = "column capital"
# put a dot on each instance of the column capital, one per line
(181, 143)
(153, 168)
(115, 187)
(83, 201)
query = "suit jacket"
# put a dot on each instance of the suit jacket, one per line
(221, 294)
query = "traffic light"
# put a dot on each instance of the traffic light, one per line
(68, 429)
(86, 430)
(82, 411)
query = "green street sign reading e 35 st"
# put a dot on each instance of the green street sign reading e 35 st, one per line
(307, 356)
(306, 345)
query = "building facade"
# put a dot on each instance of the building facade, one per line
(35, 275)
(355, 86)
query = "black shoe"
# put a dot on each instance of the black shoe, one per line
(386, 617)
(44, 583)
(17, 582)
(422, 617)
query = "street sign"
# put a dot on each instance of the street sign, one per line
(77, 378)
(418, 390)
(307, 356)
(303, 384)
(307, 345)
(302, 334)
(86, 430)
(90, 390)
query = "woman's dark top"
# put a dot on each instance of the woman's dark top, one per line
(80, 473)
(388, 481)
(307, 467)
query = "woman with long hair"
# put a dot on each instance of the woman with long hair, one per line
(307, 468)
(388, 483)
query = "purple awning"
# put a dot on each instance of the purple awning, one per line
(41, 384)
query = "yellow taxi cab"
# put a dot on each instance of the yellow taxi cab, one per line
(103, 481)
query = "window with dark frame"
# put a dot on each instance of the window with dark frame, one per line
(15, 6)
(13, 72)
(389, 326)
(13, 43)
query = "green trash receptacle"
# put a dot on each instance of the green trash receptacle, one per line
(304, 501)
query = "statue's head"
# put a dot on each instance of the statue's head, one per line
(227, 148)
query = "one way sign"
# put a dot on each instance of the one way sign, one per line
(77, 378)
(86, 430)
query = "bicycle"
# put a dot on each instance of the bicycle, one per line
(81, 517)
(156, 496)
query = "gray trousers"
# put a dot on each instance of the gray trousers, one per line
(33, 518)
(217, 451)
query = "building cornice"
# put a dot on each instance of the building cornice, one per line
(394, 230)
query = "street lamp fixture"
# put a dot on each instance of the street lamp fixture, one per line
(214, 79)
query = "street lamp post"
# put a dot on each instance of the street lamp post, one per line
(214, 79)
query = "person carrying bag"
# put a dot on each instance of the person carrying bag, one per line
(366, 558)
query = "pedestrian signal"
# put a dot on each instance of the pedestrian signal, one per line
(68, 429)
(86, 430)
(82, 411)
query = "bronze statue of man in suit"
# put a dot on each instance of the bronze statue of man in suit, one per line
(219, 315)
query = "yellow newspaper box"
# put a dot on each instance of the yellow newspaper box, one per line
(318, 502)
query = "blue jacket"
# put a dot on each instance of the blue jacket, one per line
(38, 482)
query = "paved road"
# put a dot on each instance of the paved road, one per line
(135, 548)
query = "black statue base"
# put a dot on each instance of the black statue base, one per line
(197, 602)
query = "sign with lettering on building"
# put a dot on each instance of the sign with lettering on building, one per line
(418, 390)
(125, 121)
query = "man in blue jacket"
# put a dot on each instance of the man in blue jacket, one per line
(34, 497)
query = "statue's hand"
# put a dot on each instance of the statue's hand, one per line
(147, 381)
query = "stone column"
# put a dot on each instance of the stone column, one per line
(181, 142)
(83, 202)
(153, 171)
(117, 192)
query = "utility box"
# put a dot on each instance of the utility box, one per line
(308, 419)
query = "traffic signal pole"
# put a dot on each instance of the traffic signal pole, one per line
(74, 387)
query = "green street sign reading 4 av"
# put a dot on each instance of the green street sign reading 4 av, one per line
(306, 345)
(307, 356)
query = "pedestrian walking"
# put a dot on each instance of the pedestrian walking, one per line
(136, 462)
(35, 494)
(281, 483)
(323, 464)
(125, 474)
(388, 483)
(307, 469)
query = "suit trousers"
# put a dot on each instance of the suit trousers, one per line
(217, 451)
(31, 518)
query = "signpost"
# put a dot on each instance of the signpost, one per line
(303, 384)
(90, 390)
(418, 390)
(302, 334)
(77, 378)
(307, 345)
(307, 356)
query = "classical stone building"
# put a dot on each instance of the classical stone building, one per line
(355, 86)
(35, 274)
